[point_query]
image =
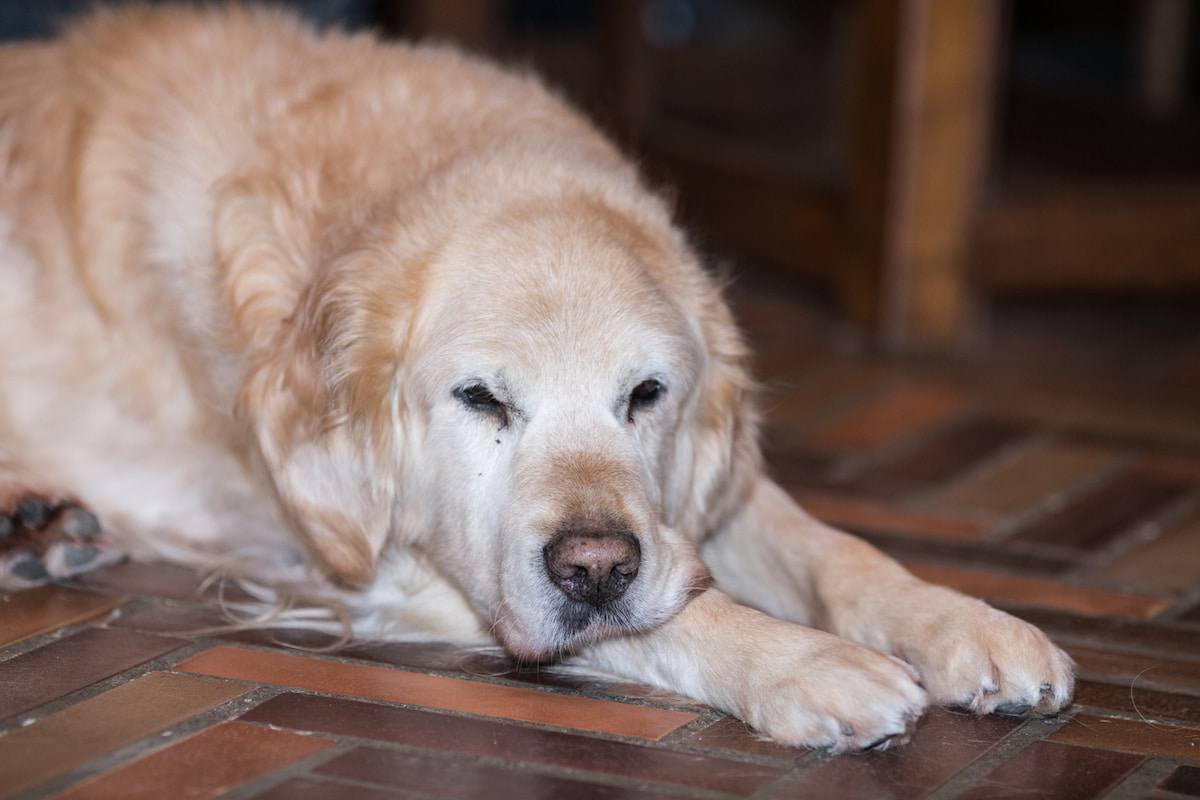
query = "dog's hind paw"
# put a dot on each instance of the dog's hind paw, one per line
(42, 540)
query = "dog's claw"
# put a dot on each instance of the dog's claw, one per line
(1014, 709)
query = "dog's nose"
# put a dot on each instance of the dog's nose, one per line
(593, 566)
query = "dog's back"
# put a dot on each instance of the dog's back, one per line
(173, 179)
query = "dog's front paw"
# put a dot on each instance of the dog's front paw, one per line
(42, 540)
(970, 655)
(836, 695)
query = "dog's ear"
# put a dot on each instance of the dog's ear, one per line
(327, 467)
(720, 439)
(317, 393)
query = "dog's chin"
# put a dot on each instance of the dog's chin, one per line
(566, 625)
(562, 631)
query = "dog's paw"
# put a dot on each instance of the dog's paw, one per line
(42, 540)
(971, 656)
(841, 697)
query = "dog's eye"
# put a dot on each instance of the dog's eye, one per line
(478, 397)
(644, 395)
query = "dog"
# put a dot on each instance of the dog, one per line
(390, 327)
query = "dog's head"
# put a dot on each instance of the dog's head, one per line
(552, 408)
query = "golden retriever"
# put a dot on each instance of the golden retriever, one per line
(389, 327)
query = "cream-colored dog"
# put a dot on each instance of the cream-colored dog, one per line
(388, 327)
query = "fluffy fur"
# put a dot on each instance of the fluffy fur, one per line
(378, 323)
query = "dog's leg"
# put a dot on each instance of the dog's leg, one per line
(42, 539)
(777, 558)
(798, 685)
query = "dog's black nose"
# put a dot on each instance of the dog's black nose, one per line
(593, 565)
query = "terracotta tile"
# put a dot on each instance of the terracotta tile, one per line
(1137, 668)
(1032, 591)
(898, 413)
(204, 765)
(447, 776)
(1112, 418)
(48, 608)
(440, 656)
(211, 622)
(1096, 518)
(1112, 633)
(822, 390)
(471, 736)
(944, 745)
(107, 722)
(1173, 467)
(643, 692)
(1192, 615)
(1170, 563)
(859, 513)
(797, 468)
(185, 619)
(983, 555)
(433, 691)
(1133, 736)
(732, 735)
(1050, 769)
(933, 462)
(70, 664)
(469, 661)
(159, 580)
(1131, 698)
(1184, 780)
(1027, 479)
(316, 789)
(168, 616)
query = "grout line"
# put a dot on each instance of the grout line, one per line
(1051, 504)
(297, 769)
(1143, 780)
(347, 743)
(144, 746)
(1033, 730)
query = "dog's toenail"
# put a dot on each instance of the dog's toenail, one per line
(882, 744)
(1014, 709)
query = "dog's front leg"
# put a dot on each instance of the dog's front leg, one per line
(777, 558)
(798, 685)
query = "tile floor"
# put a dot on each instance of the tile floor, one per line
(1056, 473)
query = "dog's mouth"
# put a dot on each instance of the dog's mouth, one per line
(580, 610)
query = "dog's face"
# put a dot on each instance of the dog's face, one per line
(555, 376)
(553, 412)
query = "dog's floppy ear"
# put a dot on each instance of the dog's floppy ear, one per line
(324, 464)
(720, 439)
(315, 395)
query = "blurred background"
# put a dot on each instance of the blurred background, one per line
(918, 171)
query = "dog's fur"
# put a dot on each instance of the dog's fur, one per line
(380, 324)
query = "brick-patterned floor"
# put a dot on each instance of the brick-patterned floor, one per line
(1057, 474)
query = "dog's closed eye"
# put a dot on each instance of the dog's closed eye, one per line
(478, 397)
(645, 395)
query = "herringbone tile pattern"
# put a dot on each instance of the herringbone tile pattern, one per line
(1061, 486)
